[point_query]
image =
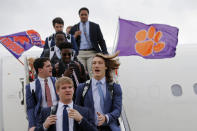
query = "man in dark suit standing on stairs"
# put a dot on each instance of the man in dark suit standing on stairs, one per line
(65, 116)
(41, 92)
(89, 39)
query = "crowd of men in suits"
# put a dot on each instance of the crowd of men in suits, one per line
(74, 89)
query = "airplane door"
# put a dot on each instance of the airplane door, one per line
(12, 81)
(1, 107)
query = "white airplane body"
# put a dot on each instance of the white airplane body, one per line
(148, 100)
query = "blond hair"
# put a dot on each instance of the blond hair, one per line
(63, 80)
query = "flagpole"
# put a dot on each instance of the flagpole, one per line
(123, 115)
(115, 44)
(115, 76)
(21, 62)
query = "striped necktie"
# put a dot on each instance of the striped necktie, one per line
(48, 94)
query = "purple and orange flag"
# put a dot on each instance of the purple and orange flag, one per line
(154, 41)
(19, 42)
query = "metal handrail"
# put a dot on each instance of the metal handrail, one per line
(125, 120)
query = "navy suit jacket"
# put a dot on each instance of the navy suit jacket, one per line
(52, 44)
(50, 38)
(54, 59)
(96, 37)
(112, 106)
(86, 124)
(34, 101)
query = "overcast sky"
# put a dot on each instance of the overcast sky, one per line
(21, 15)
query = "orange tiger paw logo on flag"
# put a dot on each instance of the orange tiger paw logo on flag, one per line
(152, 41)
(149, 42)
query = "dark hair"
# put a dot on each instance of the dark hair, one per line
(58, 20)
(39, 63)
(65, 45)
(111, 65)
(83, 8)
(60, 32)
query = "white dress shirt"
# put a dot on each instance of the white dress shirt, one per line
(52, 91)
(57, 51)
(59, 115)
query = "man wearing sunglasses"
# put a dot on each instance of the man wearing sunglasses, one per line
(89, 39)
(68, 67)
(53, 53)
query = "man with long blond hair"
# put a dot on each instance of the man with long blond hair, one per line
(102, 96)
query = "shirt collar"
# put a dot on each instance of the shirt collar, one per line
(61, 105)
(103, 81)
(57, 49)
(87, 22)
(42, 79)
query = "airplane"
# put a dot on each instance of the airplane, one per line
(158, 94)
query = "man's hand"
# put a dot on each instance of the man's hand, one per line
(101, 118)
(32, 128)
(77, 33)
(68, 72)
(50, 121)
(72, 113)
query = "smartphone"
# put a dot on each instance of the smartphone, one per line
(53, 110)
(72, 65)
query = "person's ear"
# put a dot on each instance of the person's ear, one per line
(57, 91)
(39, 70)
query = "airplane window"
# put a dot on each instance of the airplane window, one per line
(195, 88)
(176, 90)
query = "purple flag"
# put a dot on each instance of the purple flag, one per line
(20, 42)
(152, 41)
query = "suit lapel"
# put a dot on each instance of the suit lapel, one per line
(78, 39)
(89, 102)
(90, 30)
(90, 96)
(38, 90)
(53, 81)
(107, 101)
(75, 124)
(78, 28)
(75, 107)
